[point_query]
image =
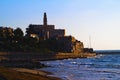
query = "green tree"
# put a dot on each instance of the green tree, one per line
(6, 38)
(29, 30)
(18, 34)
(6, 33)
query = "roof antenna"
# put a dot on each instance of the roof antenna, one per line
(89, 41)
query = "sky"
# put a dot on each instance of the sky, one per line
(95, 21)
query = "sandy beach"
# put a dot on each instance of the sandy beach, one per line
(32, 71)
(25, 74)
(40, 73)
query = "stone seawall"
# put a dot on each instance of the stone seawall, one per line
(39, 57)
(70, 55)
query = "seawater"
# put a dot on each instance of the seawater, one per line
(101, 67)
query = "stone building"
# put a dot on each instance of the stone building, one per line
(66, 43)
(45, 31)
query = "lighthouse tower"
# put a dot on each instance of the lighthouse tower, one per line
(45, 19)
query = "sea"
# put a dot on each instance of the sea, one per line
(102, 67)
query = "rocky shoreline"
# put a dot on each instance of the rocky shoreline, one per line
(29, 56)
(26, 63)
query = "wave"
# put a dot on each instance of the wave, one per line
(102, 67)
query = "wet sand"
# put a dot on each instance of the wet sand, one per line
(39, 73)
(24, 74)
(32, 71)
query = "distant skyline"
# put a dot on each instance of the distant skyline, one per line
(99, 19)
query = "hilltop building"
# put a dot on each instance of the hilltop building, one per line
(45, 32)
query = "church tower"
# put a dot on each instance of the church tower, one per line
(45, 19)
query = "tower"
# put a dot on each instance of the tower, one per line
(45, 19)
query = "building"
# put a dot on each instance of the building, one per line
(65, 43)
(45, 31)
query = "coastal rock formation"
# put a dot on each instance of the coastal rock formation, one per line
(70, 44)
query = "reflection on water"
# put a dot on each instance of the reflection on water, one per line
(102, 67)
